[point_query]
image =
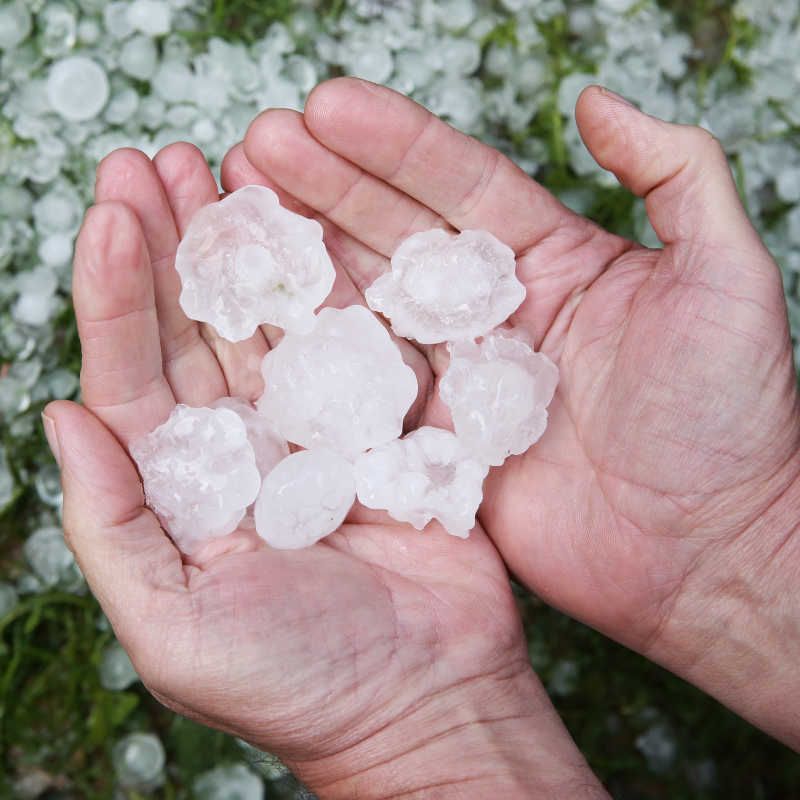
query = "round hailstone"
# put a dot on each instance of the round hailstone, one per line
(199, 474)
(138, 758)
(343, 386)
(448, 287)
(77, 88)
(116, 670)
(305, 498)
(15, 24)
(151, 17)
(427, 474)
(139, 58)
(497, 393)
(245, 261)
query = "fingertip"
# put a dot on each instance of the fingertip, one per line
(268, 133)
(118, 170)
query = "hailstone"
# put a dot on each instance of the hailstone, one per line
(448, 287)
(246, 260)
(427, 474)
(199, 473)
(497, 393)
(305, 498)
(343, 386)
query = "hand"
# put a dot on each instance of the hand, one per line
(381, 662)
(660, 504)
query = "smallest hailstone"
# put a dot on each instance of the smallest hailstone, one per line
(305, 498)
(447, 287)
(246, 261)
(199, 474)
(427, 474)
(497, 393)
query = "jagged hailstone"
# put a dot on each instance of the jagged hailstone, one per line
(245, 261)
(428, 474)
(269, 447)
(305, 498)
(497, 393)
(343, 386)
(199, 474)
(448, 287)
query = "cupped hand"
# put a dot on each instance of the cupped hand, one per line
(659, 505)
(383, 660)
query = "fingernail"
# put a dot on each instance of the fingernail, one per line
(52, 439)
(615, 96)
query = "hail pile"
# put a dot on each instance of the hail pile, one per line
(337, 385)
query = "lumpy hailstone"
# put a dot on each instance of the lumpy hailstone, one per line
(428, 474)
(305, 498)
(245, 261)
(199, 474)
(446, 287)
(343, 386)
(497, 393)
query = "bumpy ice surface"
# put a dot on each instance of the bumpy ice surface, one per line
(199, 474)
(497, 393)
(306, 497)
(246, 260)
(269, 447)
(427, 474)
(445, 287)
(344, 386)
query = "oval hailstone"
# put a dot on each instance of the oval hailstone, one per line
(427, 474)
(77, 88)
(199, 474)
(343, 386)
(305, 498)
(246, 260)
(446, 287)
(497, 393)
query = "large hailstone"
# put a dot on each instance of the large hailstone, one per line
(199, 474)
(306, 497)
(343, 386)
(497, 393)
(245, 261)
(448, 287)
(427, 474)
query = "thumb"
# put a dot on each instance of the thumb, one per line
(121, 549)
(680, 170)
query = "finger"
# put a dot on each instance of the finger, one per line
(119, 545)
(371, 210)
(189, 185)
(190, 367)
(681, 171)
(122, 380)
(468, 183)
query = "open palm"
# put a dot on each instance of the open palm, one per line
(343, 658)
(675, 424)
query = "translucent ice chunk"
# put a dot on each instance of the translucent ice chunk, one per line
(305, 498)
(199, 474)
(448, 286)
(139, 57)
(116, 671)
(497, 393)
(138, 759)
(427, 474)
(269, 447)
(15, 24)
(230, 782)
(344, 386)
(151, 17)
(246, 260)
(370, 61)
(51, 559)
(77, 88)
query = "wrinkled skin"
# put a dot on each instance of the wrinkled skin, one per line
(673, 435)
